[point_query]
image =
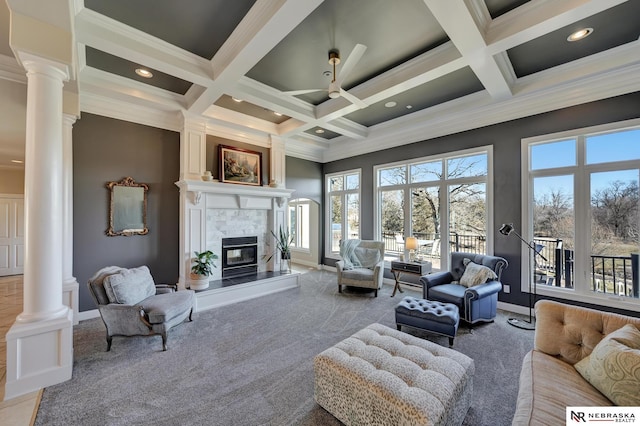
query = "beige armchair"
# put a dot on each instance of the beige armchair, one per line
(362, 264)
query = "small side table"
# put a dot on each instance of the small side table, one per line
(413, 268)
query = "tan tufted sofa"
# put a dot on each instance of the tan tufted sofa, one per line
(382, 376)
(548, 381)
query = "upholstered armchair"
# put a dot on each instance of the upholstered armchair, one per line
(131, 304)
(472, 284)
(362, 264)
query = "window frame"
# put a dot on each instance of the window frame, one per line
(328, 193)
(296, 203)
(581, 173)
(444, 182)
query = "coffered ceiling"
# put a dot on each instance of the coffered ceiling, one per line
(419, 69)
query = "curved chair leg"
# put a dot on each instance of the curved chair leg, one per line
(190, 313)
(376, 293)
(339, 288)
(164, 341)
(109, 339)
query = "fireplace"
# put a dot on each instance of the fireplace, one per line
(239, 256)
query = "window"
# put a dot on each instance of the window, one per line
(423, 197)
(343, 208)
(299, 221)
(582, 209)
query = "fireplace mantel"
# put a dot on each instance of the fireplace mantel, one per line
(235, 196)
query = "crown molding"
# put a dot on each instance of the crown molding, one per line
(94, 103)
(10, 69)
(479, 110)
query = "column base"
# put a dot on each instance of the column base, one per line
(39, 354)
(70, 297)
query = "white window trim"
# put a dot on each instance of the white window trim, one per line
(327, 210)
(444, 220)
(578, 293)
(296, 202)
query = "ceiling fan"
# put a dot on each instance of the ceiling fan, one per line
(335, 87)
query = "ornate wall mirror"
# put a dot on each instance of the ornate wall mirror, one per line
(128, 208)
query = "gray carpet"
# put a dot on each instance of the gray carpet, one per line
(251, 363)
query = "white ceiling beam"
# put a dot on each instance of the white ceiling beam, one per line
(417, 71)
(101, 82)
(537, 18)
(116, 38)
(479, 110)
(227, 115)
(264, 26)
(461, 27)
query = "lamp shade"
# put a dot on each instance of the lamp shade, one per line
(411, 243)
(506, 228)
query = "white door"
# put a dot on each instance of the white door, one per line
(11, 234)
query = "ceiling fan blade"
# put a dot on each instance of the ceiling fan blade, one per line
(303, 92)
(351, 61)
(356, 101)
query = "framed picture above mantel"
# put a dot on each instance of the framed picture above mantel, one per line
(240, 166)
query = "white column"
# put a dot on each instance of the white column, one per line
(39, 344)
(278, 161)
(43, 192)
(69, 283)
(193, 149)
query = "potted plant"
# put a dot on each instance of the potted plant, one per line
(201, 269)
(283, 245)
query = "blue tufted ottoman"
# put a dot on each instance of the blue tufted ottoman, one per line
(433, 316)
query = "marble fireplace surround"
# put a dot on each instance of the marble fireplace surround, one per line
(200, 200)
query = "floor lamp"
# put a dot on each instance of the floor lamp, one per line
(506, 229)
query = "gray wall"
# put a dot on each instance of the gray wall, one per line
(306, 178)
(212, 161)
(106, 150)
(506, 140)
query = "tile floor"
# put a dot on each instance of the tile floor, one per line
(18, 411)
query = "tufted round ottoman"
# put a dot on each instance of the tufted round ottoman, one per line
(383, 376)
(433, 316)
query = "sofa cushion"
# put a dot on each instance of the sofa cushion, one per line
(448, 293)
(475, 274)
(614, 366)
(549, 385)
(358, 274)
(163, 308)
(130, 286)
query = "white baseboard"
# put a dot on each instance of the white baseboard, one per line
(516, 309)
(86, 315)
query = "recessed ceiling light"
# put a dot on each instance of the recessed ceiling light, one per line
(319, 131)
(17, 161)
(144, 73)
(236, 99)
(391, 104)
(409, 106)
(279, 114)
(580, 34)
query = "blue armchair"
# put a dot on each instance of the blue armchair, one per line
(476, 303)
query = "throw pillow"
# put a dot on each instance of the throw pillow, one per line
(475, 274)
(130, 286)
(613, 367)
(367, 257)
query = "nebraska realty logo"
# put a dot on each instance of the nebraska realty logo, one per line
(579, 415)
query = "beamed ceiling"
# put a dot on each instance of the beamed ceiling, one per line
(419, 69)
